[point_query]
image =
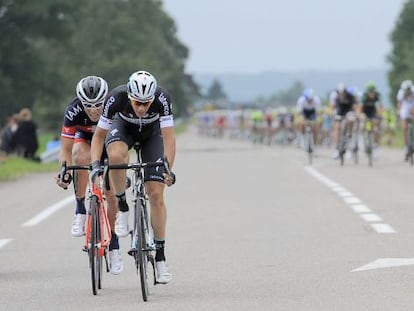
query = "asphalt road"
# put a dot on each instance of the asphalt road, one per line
(250, 228)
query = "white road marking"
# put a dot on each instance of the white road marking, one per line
(344, 193)
(371, 217)
(353, 202)
(382, 263)
(48, 212)
(383, 228)
(3, 242)
(360, 208)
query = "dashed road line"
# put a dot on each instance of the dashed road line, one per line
(4, 242)
(375, 221)
(48, 212)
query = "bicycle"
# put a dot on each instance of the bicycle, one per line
(98, 230)
(368, 139)
(347, 139)
(142, 241)
(354, 139)
(410, 141)
(308, 140)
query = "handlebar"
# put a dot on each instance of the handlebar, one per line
(106, 167)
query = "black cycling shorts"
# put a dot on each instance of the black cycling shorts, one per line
(151, 142)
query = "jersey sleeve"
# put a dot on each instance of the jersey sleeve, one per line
(166, 115)
(112, 105)
(69, 126)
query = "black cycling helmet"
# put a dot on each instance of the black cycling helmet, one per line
(92, 90)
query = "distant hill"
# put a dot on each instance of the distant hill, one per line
(248, 87)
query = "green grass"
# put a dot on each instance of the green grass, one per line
(15, 167)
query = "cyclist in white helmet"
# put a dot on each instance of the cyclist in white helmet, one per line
(139, 111)
(308, 106)
(81, 117)
(343, 104)
(405, 104)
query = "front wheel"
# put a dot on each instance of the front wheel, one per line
(95, 260)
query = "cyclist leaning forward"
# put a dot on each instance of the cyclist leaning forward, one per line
(405, 103)
(372, 109)
(139, 111)
(343, 105)
(81, 116)
(308, 105)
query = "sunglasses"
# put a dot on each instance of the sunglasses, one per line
(91, 106)
(137, 103)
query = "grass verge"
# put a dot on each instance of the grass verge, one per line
(15, 167)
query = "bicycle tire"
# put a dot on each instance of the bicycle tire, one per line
(410, 145)
(369, 148)
(142, 253)
(95, 263)
(342, 142)
(309, 145)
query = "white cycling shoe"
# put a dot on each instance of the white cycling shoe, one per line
(162, 272)
(78, 225)
(121, 224)
(115, 262)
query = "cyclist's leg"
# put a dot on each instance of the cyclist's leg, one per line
(118, 144)
(81, 156)
(153, 150)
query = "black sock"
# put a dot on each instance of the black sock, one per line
(159, 254)
(114, 244)
(122, 203)
(80, 206)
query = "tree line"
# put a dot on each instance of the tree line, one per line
(47, 46)
(401, 57)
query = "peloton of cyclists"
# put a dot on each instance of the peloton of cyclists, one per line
(405, 104)
(80, 120)
(343, 104)
(308, 106)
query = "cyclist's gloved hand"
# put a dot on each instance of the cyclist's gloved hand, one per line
(65, 181)
(169, 179)
(96, 170)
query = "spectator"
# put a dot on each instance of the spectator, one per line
(26, 137)
(7, 143)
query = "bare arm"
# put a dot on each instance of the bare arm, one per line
(66, 150)
(97, 144)
(168, 135)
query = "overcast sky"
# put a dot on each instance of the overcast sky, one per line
(237, 36)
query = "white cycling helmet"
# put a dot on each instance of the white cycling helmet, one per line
(309, 94)
(341, 87)
(141, 86)
(92, 90)
(406, 84)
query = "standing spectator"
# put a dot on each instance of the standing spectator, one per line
(7, 143)
(26, 137)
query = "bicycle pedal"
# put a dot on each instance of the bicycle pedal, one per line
(84, 249)
(132, 252)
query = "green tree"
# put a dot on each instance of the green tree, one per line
(63, 41)
(215, 91)
(22, 25)
(401, 56)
